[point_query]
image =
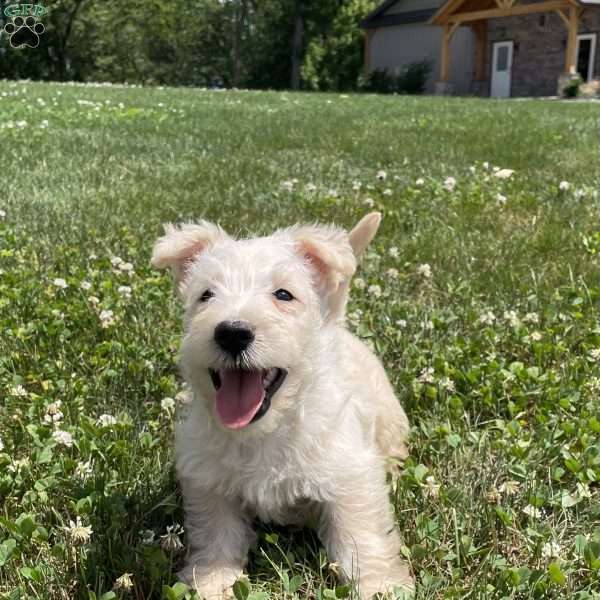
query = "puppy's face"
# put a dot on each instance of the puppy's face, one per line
(254, 311)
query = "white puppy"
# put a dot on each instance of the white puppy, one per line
(292, 416)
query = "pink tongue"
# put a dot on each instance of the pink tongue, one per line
(239, 397)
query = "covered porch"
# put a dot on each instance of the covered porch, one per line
(494, 72)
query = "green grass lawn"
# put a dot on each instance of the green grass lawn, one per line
(480, 294)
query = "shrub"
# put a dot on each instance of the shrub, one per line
(411, 80)
(572, 87)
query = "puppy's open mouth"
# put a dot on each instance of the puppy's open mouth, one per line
(244, 396)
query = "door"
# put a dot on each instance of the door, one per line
(502, 58)
(586, 54)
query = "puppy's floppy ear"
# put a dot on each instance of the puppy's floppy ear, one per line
(328, 251)
(180, 245)
(360, 237)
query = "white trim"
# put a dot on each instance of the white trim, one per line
(592, 61)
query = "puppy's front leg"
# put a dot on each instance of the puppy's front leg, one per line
(219, 536)
(359, 533)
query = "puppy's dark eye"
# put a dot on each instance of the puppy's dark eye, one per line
(208, 294)
(283, 295)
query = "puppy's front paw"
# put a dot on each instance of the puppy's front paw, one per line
(210, 584)
(399, 578)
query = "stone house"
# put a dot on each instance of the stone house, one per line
(498, 48)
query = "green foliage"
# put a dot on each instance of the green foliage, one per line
(480, 293)
(411, 80)
(572, 87)
(198, 43)
(334, 55)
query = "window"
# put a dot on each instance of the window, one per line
(586, 55)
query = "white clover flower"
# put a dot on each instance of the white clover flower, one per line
(333, 193)
(124, 290)
(486, 165)
(420, 182)
(504, 173)
(509, 487)
(94, 300)
(595, 354)
(170, 541)
(106, 420)
(387, 192)
(92, 256)
(381, 175)
(447, 384)
(450, 183)
(19, 391)
(500, 199)
(426, 375)
(512, 318)
(531, 317)
(21, 124)
(394, 252)
(401, 323)
(311, 187)
(551, 550)
(392, 273)
(2, 214)
(287, 185)
(106, 318)
(564, 186)
(359, 283)
(356, 185)
(115, 261)
(53, 413)
(583, 490)
(532, 511)
(63, 437)
(487, 318)
(472, 169)
(126, 267)
(85, 285)
(369, 202)
(375, 290)
(1, 445)
(78, 533)
(167, 404)
(431, 487)
(59, 282)
(44, 124)
(593, 385)
(424, 270)
(124, 582)
(536, 336)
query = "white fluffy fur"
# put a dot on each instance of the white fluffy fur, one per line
(320, 450)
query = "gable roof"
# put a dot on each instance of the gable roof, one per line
(450, 6)
(378, 18)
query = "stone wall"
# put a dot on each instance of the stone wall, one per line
(539, 50)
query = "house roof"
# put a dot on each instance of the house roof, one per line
(378, 18)
(451, 6)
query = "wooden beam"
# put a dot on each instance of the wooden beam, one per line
(519, 9)
(571, 52)
(564, 17)
(447, 34)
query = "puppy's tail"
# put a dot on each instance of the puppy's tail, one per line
(360, 237)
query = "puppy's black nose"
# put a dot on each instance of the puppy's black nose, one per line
(233, 336)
